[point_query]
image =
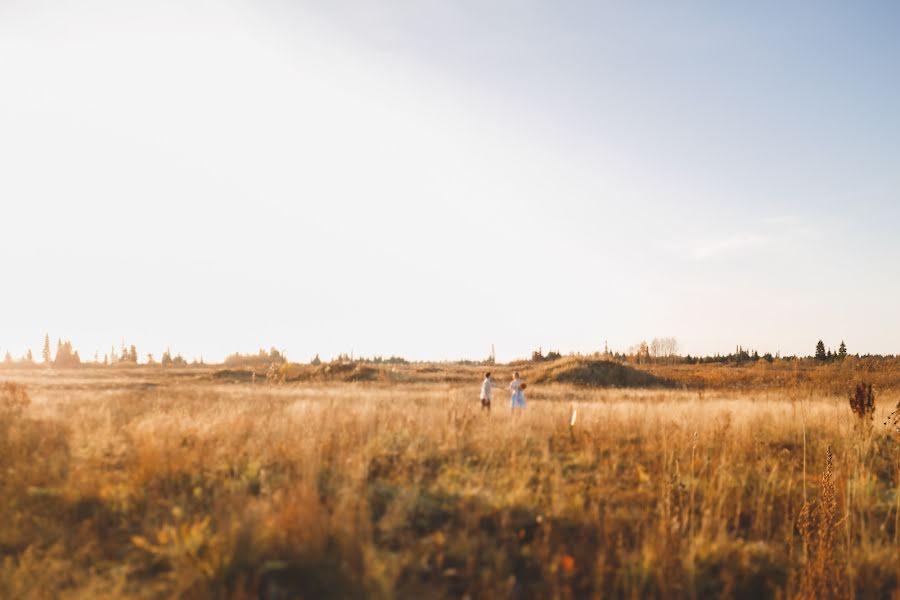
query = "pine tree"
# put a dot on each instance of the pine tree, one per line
(842, 350)
(820, 351)
(66, 356)
(643, 352)
(45, 353)
(29, 358)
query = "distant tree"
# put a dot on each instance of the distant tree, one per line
(261, 358)
(342, 359)
(8, 359)
(45, 352)
(492, 357)
(741, 355)
(65, 355)
(643, 353)
(663, 348)
(842, 350)
(670, 347)
(150, 360)
(820, 351)
(166, 358)
(273, 355)
(129, 354)
(316, 361)
(29, 358)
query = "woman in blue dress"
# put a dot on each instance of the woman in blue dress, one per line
(517, 387)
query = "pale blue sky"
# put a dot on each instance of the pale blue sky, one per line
(428, 178)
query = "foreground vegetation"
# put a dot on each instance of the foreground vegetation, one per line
(149, 485)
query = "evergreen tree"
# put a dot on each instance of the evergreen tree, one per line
(45, 353)
(820, 351)
(643, 354)
(842, 350)
(29, 358)
(65, 355)
(166, 358)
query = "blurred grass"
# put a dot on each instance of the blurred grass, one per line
(190, 487)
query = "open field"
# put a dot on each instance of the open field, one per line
(148, 483)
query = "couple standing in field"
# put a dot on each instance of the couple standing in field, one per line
(516, 388)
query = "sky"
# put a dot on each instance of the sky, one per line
(430, 178)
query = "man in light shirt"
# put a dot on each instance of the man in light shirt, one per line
(486, 386)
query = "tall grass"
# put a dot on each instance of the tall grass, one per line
(195, 489)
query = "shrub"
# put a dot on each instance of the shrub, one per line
(862, 401)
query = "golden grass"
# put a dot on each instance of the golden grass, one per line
(148, 486)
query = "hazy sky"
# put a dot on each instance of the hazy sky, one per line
(427, 178)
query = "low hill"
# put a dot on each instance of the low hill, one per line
(595, 373)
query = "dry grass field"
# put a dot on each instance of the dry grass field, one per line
(147, 483)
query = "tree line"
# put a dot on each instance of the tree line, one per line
(66, 356)
(663, 350)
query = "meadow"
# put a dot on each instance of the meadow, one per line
(204, 483)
